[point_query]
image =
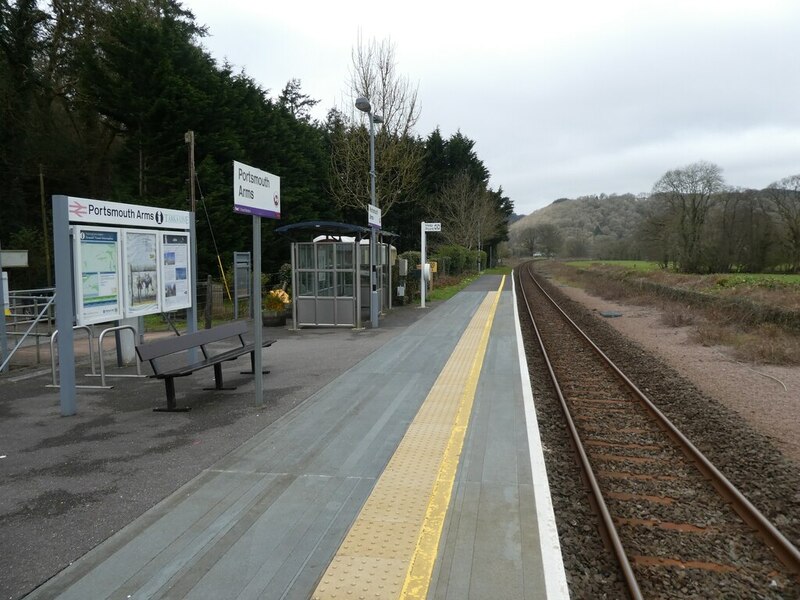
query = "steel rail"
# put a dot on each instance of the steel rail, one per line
(607, 521)
(786, 552)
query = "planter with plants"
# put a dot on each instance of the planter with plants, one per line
(275, 306)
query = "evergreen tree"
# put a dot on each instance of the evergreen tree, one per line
(21, 44)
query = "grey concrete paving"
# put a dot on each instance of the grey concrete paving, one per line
(264, 517)
(68, 483)
(490, 544)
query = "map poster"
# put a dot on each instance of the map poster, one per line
(141, 273)
(176, 287)
(98, 296)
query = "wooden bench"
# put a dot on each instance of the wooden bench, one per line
(159, 349)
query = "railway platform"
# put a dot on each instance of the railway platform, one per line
(417, 473)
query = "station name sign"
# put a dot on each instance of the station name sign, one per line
(256, 192)
(118, 214)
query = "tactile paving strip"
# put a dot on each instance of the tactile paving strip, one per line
(390, 549)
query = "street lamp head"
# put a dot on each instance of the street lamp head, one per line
(363, 104)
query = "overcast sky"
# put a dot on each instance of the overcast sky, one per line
(563, 98)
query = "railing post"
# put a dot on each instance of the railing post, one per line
(209, 301)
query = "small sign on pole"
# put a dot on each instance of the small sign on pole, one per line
(374, 216)
(426, 227)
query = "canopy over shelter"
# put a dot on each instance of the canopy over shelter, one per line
(307, 229)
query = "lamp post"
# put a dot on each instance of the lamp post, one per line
(363, 105)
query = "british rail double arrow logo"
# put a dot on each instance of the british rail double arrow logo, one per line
(78, 209)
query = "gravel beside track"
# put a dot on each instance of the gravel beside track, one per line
(746, 457)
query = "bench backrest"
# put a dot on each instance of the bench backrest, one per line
(171, 345)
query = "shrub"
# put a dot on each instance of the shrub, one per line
(675, 315)
(453, 258)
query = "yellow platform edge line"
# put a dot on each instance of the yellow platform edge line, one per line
(418, 578)
(362, 569)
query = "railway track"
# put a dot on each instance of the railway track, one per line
(663, 507)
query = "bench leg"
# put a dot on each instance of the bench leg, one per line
(218, 383)
(169, 382)
(253, 366)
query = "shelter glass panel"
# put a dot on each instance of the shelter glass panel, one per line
(344, 256)
(305, 256)
(325, 283)
(324, 256)
(344, 284)
(306, 281)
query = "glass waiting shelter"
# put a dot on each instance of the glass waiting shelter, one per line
(330, 273)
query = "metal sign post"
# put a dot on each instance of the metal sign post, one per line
(426, 227)
(258, 332)
(374, 219)
(64, 305)
(256, 193)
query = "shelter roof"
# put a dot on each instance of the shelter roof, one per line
(308, 230)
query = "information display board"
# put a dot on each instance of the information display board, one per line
(112, 266)
(97, 274)
(175, 272)
(129, 271)
(140, 261)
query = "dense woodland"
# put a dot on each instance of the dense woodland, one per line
(692, 221)
(96, 97)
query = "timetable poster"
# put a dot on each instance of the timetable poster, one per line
(175, 271)
(98, 263)
(141, 273)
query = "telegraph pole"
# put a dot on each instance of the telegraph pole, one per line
(191, 312)
(45, 235)
(189, 139)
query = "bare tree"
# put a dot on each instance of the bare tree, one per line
(528, 238)
(467, 213)
(689, 192)
(655, 233)
(374, 76)
(549, 239)
(398, 156)
(784, 196)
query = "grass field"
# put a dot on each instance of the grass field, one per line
(634, 265)
(755, 314)
(711, 281)
(756, 280)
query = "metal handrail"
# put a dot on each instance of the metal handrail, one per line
(103, 362)
(19, 343)
(53, 353)
(18, 300)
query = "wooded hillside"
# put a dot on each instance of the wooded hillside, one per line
(692, 221)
